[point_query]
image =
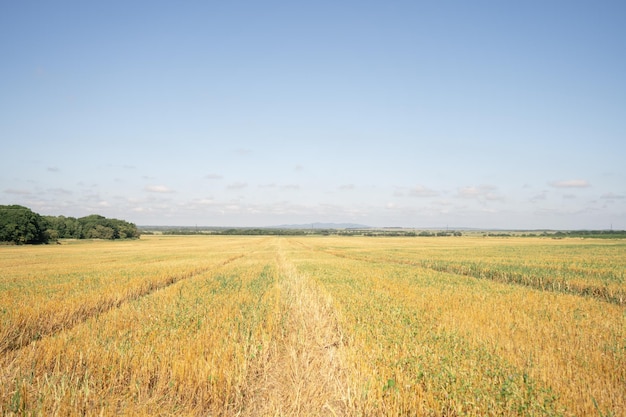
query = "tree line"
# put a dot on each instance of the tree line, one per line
(21, 225)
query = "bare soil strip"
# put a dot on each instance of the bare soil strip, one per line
(302, 375)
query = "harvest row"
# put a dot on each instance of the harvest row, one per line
(48, 289)
(186, 348)
(580, 267)
(429, 342)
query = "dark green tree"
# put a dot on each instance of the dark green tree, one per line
(99, 227)
(61, 227)
(101, 232)
(20, 225)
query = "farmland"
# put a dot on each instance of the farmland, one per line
(258, 325)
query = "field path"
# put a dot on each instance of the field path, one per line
(303, 375)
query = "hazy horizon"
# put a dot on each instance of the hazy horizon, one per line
(487, 115)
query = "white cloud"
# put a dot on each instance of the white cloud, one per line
(612, 196)
(124, 166)
(482, 192)
(570, 184)
(418, 191)
(90, 198)
(347, 187)
(17, 192)
(159, 189)
(60, 191)
(213, 177)
(421, 191)
(470, 192)
(237, 186)
(539, 197)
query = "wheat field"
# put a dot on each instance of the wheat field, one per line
(314, 326)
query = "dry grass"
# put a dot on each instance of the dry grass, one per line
(440, 343)
(589, 268)
(183, 349)
(61, 287)
(304, 375)
(310, 326)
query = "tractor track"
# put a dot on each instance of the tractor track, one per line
(24, 333)
(600, 293)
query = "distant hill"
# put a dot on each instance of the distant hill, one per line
(321, 226)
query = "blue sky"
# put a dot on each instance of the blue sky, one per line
(489, 114)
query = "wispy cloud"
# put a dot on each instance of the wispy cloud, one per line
(237, 185)
(298, 168)
(418, 191)
(60, 191)
(213, 177)
(290, 187)
(539, 197)
(199, 204)
(347, 187)
(124, 166)
(612, 196)
(570, 184)
(421, 191)
(481, 192)
(159, 189)
(89, 198)
(53, 169)
(17, 192)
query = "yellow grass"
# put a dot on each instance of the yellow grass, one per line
(313, 326)
(51, 288)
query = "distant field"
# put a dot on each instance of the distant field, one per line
(248, 326)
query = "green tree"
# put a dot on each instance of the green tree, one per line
(20, 225)
(99, 227)
(93, 226)
(101, 232)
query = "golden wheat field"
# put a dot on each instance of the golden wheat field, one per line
(314, 326)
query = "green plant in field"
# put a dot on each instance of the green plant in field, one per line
(391, 383)
(600, 413)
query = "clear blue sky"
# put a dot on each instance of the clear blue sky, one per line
(393, 113)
